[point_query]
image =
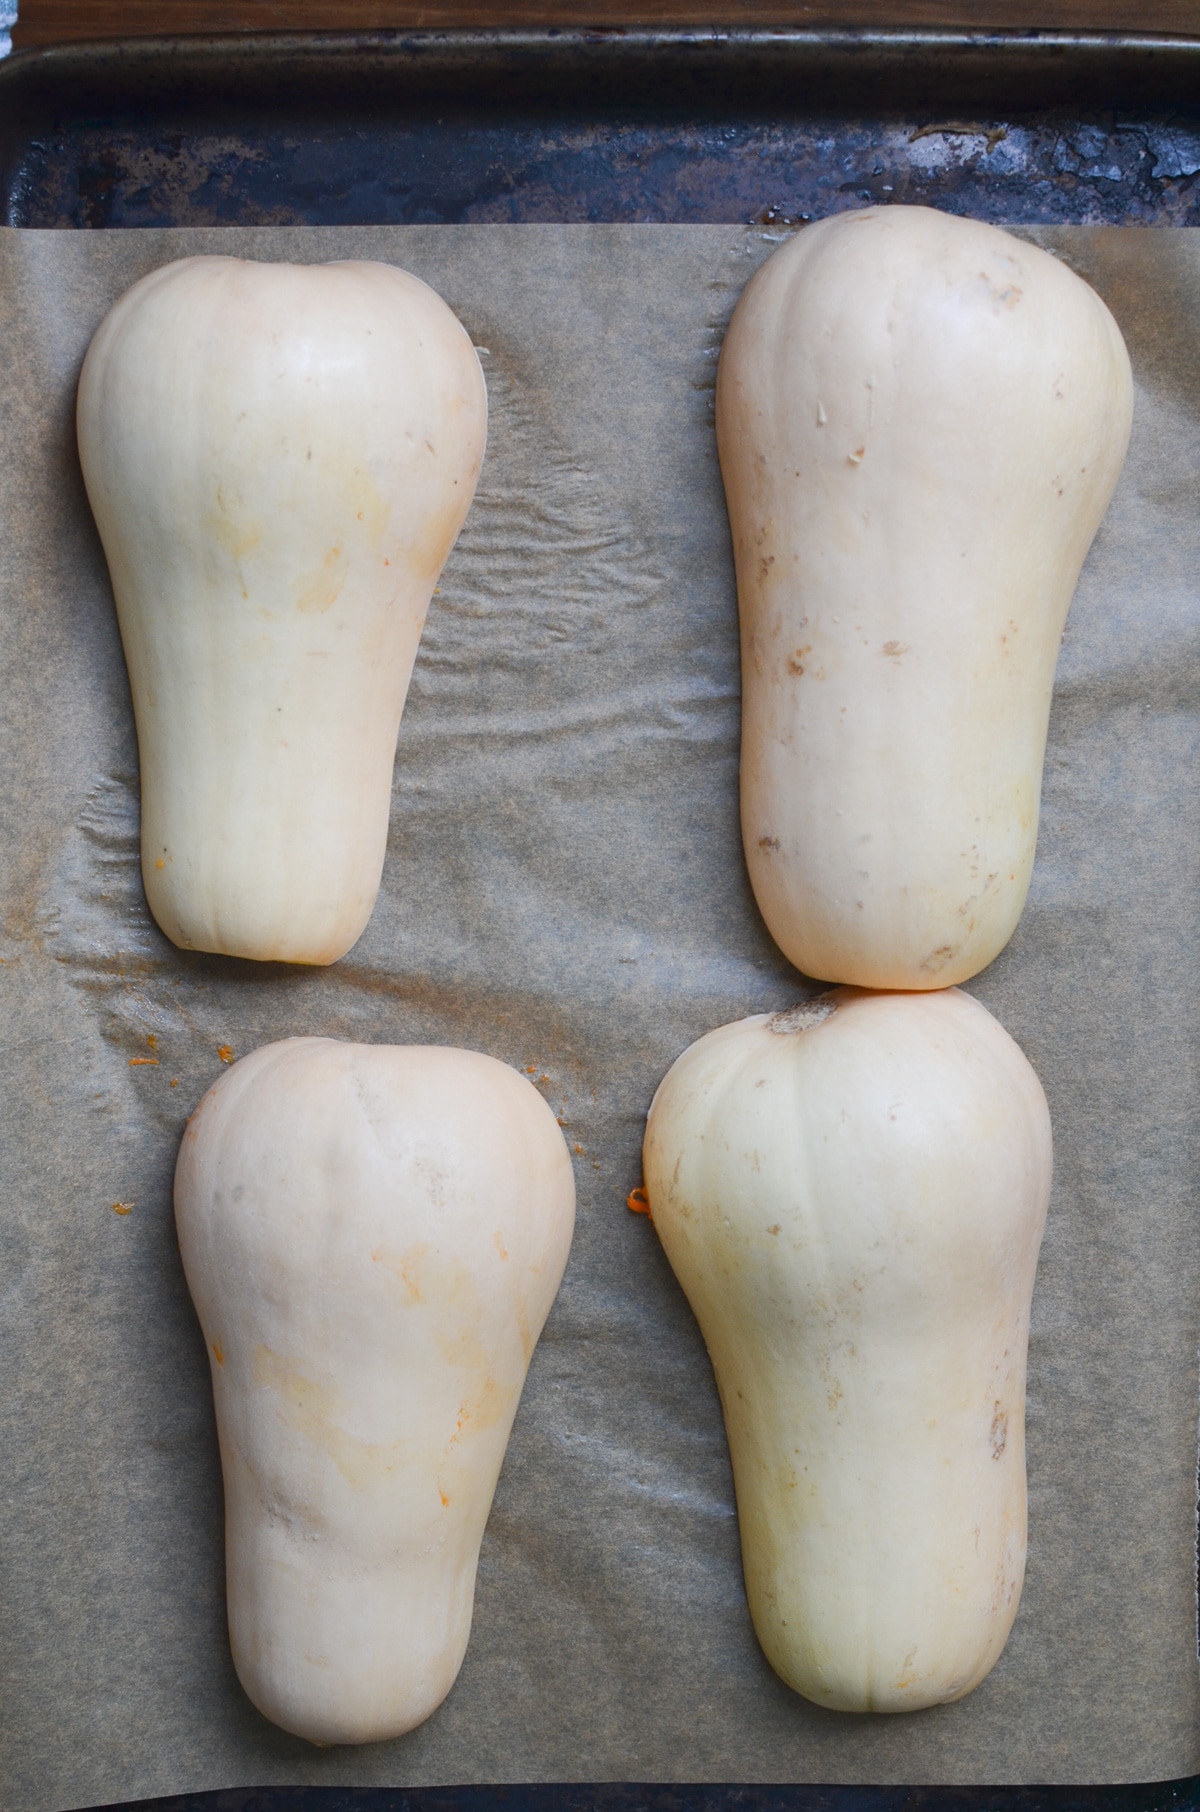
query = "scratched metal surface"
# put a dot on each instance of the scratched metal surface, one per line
(625, 126)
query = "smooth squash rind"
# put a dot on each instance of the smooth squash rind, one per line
(373, 1236)
(920, 421)
(853, 1203)
(279, 458)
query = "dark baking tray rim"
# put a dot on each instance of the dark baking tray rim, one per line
(1151, 67)
(690, 83)
(1164, 1796)
(82, 125)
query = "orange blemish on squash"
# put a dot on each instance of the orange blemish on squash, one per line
(638, 1202)
(321, 588)
(499, 1245)
(407, 1266)
(445, 1499)
(217, 1352)
(318, 1414)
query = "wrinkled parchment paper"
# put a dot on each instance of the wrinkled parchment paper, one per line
(564, 888)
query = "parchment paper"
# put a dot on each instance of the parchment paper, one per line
(564, 888)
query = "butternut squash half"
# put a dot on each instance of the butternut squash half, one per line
(373, 1236)
(279, 458)
(852, 1195)
(921, 421)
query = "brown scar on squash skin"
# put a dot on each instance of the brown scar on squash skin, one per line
(803, 1016)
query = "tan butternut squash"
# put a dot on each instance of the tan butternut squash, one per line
(373, 1236)
(852, 1195)
(279, 458)
(921, 421)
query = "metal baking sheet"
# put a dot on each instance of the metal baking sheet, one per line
(767, 128)
(395, 129)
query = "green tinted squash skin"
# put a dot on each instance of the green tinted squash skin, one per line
(854, 1209)
(921, 421)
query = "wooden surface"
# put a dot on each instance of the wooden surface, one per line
(60, 21)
